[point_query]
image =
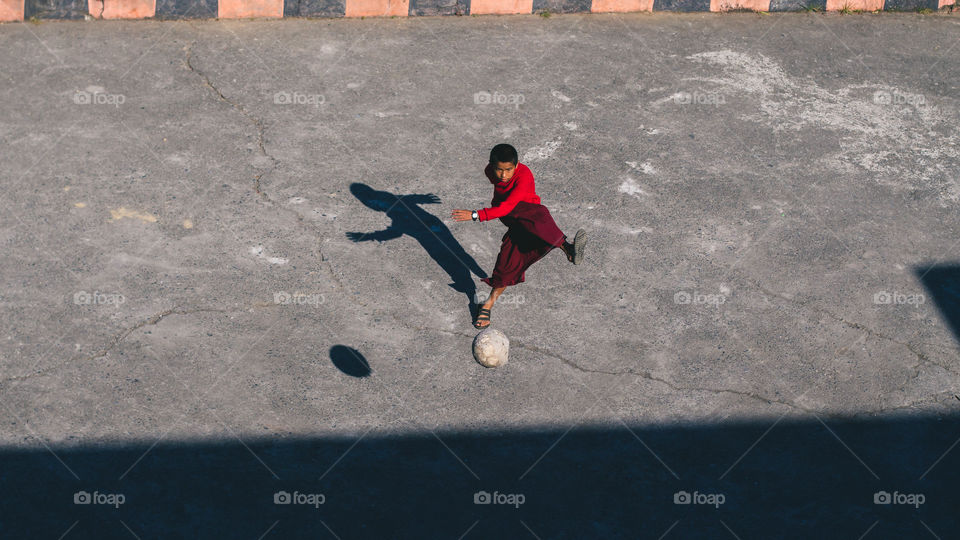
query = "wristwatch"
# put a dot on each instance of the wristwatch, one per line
(475, 215)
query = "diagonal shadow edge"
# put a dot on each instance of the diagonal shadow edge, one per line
(942, 282)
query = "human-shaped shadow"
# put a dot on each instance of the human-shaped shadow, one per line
(426, 228)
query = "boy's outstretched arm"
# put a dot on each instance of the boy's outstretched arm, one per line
(416, 198)
(387, 234)
(523, 187)
(462, 215)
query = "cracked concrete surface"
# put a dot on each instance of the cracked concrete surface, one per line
(257, 122)
(767, 198)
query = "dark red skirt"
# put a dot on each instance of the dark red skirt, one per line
(531, 234)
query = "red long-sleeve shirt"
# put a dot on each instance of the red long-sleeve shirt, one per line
(506, 195)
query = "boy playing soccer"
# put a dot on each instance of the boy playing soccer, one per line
(531, 231)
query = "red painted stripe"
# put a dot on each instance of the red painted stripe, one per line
(485, 7)
(857, 5)
(727, 5)
(122, 9)
(249, 9)
(377, 8)
(620, 6)
(11, 10)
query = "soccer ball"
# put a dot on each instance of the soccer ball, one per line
(491, 347)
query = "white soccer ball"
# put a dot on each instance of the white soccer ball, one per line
(491, 347)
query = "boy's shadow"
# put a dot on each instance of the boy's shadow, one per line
(408, 218)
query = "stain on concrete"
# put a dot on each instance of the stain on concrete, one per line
(630, 187)
(258, 251)
(542, 152)
(120, 213)
(862, 114)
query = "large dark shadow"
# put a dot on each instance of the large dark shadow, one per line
(407, 218)
(787, 479)
(943, 284)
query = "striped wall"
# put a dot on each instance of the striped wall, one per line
(18, 10)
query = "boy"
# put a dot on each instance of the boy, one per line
(531, 231)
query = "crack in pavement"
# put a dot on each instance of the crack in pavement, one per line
(647, 375)
(911, 404)
(650, 377)
(674, 386)
(120, 336)
(257, 122)
(923, 358)
(156, 318)
(643, 374)
(257, 187)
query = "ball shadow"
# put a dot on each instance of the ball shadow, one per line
(349, 361)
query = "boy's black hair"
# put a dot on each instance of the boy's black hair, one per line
(503, 153)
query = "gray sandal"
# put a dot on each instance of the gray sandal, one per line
(579, 241)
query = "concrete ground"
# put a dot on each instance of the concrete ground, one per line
(764, 196)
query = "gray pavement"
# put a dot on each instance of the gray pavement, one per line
(763, 195)
(740, 158)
